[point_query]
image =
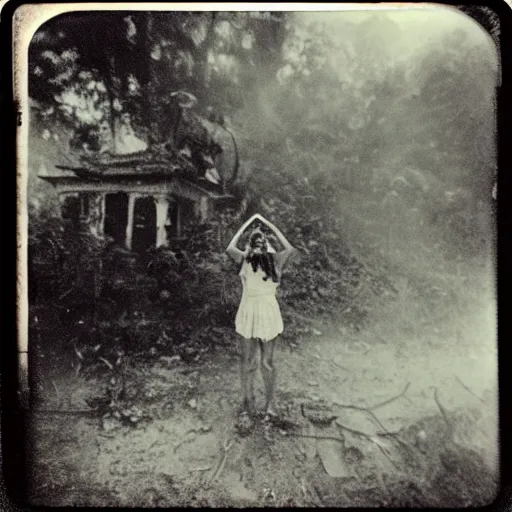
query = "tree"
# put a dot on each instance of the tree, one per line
(148, 56)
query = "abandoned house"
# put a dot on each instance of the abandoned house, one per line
(141, 200)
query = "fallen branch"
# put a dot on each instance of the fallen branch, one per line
(382, 434)
(153, 444)
(107, 363)
(386, 402)
(341, 440)
(175, 449)
(375, 406)
(227, 445)
(469, 390)
(442, 409)
(354, 431)
(207, 468)
(386, 454)
(329, 438)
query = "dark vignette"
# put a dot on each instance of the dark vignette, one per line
(13, 421)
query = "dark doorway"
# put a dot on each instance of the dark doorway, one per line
(116, 216)
(144, 224)
(175, 218)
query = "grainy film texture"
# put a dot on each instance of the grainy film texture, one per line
(344, 353)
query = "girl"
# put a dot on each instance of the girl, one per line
(258, 319)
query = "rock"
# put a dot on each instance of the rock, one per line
(192, 403)
(421, 441)
(313, 383)
(331, 457)
(316, 332)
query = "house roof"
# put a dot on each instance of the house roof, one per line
(155, 165)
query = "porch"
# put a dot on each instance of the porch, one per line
(136, 215)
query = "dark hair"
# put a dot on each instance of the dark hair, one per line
(266, 262)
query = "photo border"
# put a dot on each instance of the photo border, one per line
(14, 369)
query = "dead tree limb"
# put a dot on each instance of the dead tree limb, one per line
(341, 440)
(375, 406)
(369, 410)
(186, 440)
(441, 408)
(469, 390)
(392, 399)
(386, 454)
(328, 438)
(225, 448)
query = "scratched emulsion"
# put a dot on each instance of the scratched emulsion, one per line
(345, 130)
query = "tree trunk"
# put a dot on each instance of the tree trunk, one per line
(146, 79)
(201, 58)
(111, 99)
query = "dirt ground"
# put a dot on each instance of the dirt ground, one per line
(435, 445)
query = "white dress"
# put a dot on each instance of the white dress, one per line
(258, 315)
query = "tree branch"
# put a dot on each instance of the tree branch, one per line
(222, 462)
(329, 438)
(375, 406)
(441, 408)
(386, 402)
(469, 390)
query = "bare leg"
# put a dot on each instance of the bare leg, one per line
(269, 373)
(248, 367)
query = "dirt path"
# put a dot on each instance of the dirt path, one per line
(171, 460)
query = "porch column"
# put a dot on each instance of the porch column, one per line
(62, 200)
(97, 213)
(204, 207)
(129, 223)
(162, 213)
(101, 207)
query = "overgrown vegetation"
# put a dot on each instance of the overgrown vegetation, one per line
(375, 159)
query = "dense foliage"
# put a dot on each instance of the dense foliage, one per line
(371, 156)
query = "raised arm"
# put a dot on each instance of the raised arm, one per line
(232, 248)
(288, 250)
